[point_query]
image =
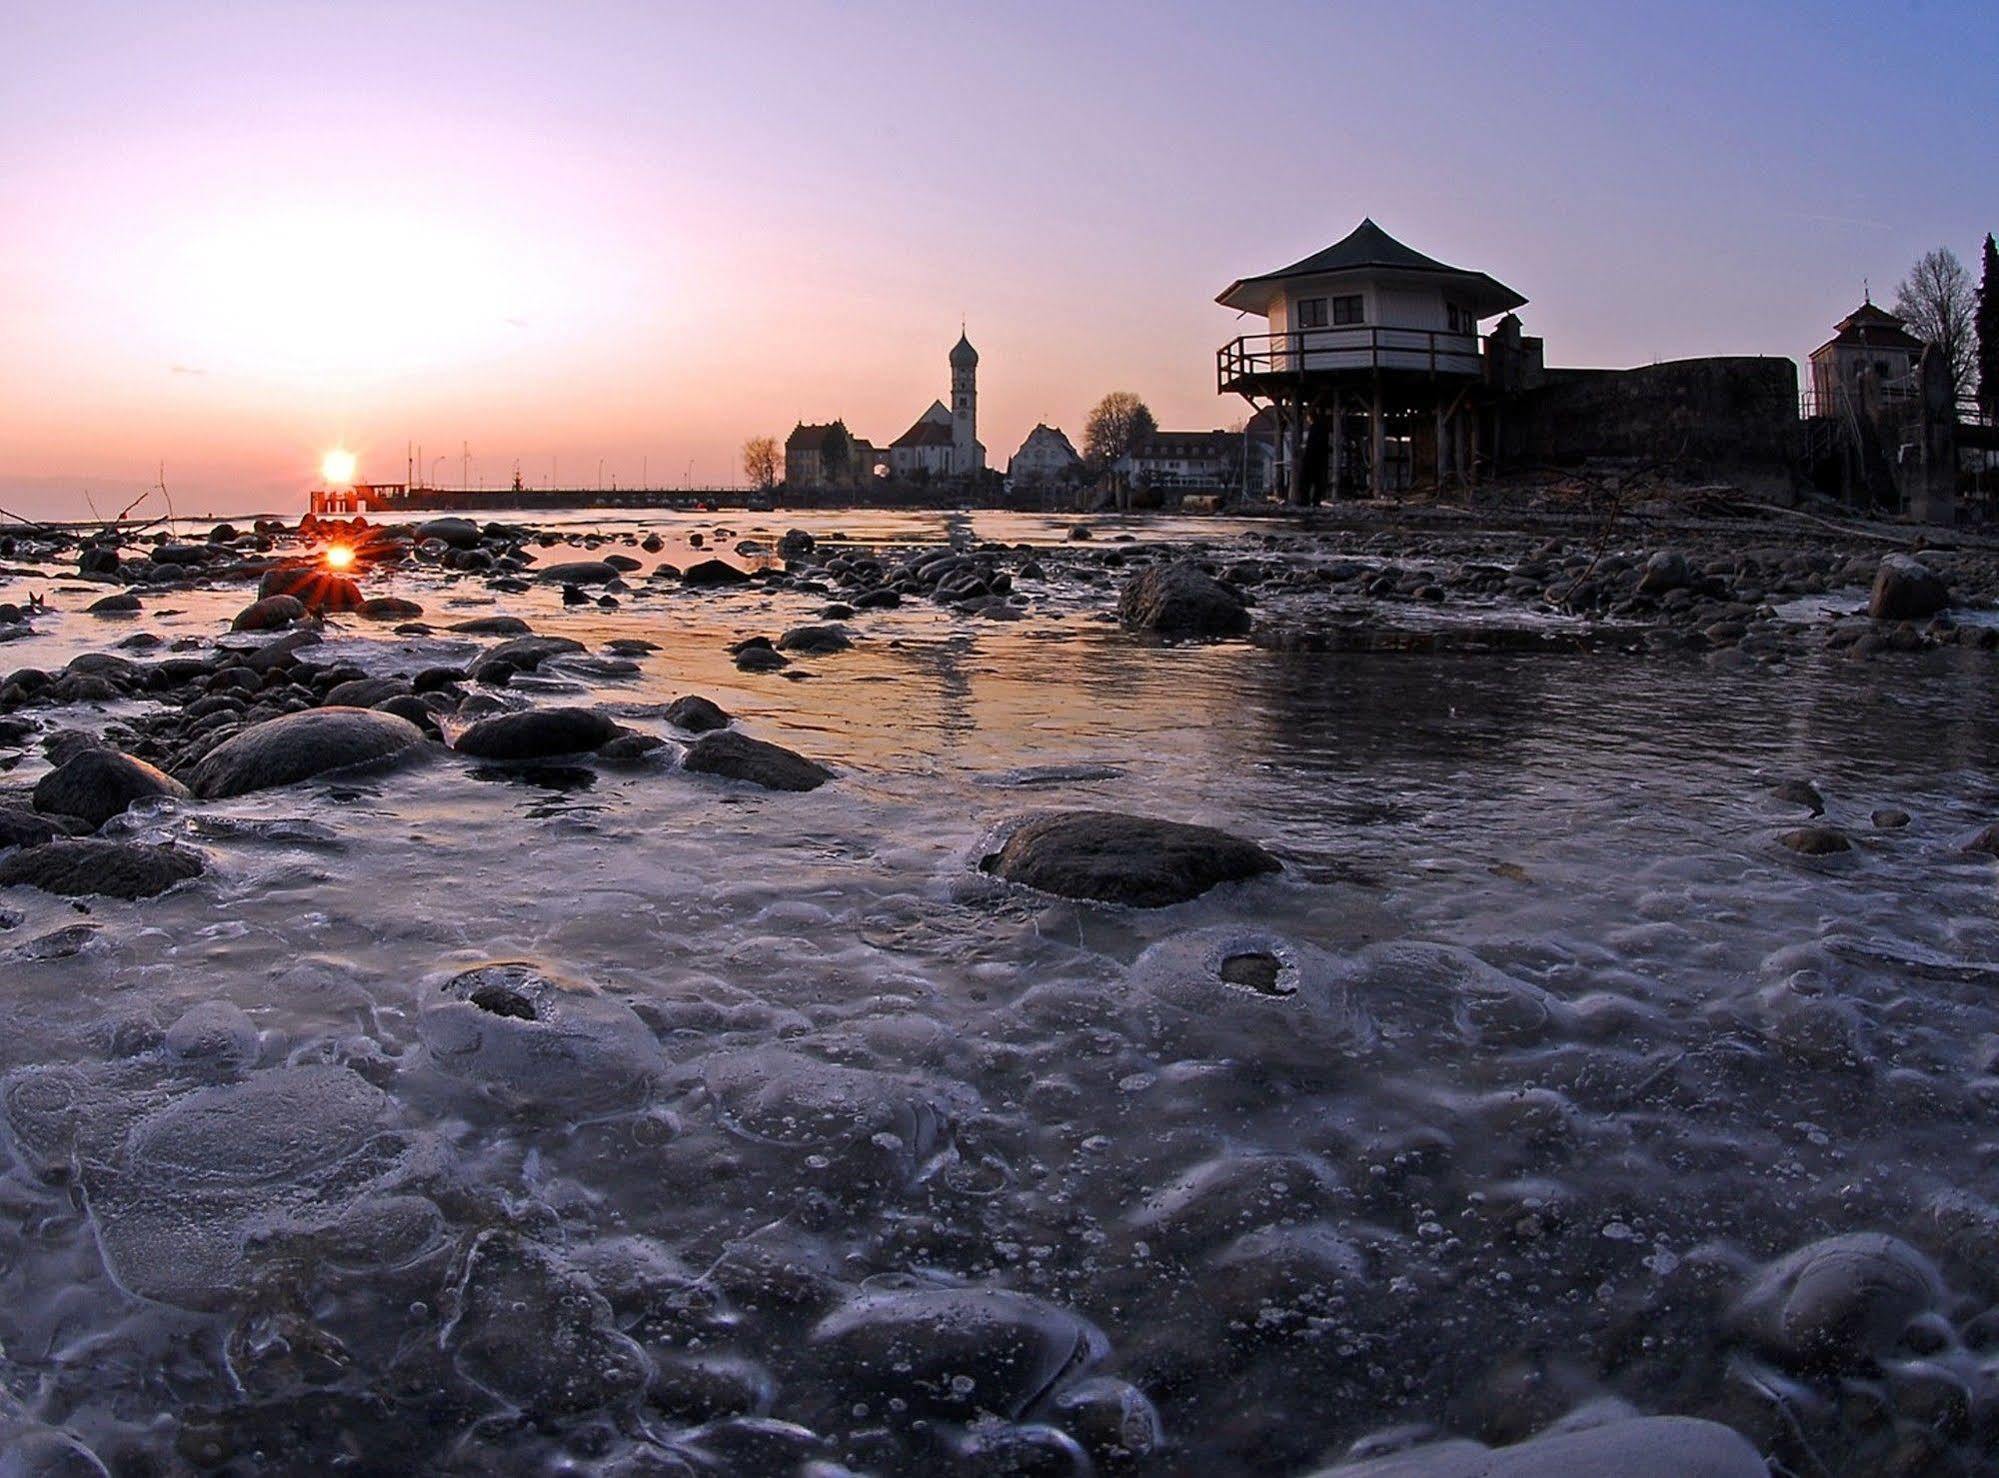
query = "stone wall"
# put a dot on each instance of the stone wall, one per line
(1733, 419)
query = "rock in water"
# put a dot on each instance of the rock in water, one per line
(79, 868)
(579, 572)
(713, 572)
(390, 608)
(298, 746)
(814, 641)
(1182, 599)
(697, 715)
(1838, 1302)
(537, 733)
(269, 613)
(1906, 590)
(314, 587)
(1816, 841)
(737, 757)
(957, 1351)
(1113, 858)
(1637, 1447)
(542, 1041)
(98, 784)
(20, 827)
(459, 533)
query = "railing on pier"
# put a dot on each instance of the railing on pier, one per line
(1354, 347)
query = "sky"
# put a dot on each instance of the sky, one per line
(607, 242)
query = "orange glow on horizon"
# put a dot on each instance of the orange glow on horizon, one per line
(338, 467)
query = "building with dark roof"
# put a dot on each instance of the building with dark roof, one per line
(1871, 354)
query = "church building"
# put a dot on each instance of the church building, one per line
(944, 442)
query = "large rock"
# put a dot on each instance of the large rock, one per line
(1636, 1447)
(317, 588)
(459, 533)
(1665, 571)
(98, 784)
(1181, 599)
(737, 757)
(20, 827)
(283, 751)
(814, 641)
(1839, 1302)
(81, 867)
(269, 613)
(1906, 590)
(713, 572)
(956, 1351)
(697, 715)
(537, 733)
(579, 572)
(1113, 858)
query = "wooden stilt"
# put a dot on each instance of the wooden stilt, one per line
(1377, 445)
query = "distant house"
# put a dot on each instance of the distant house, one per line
(1870, 350)
(1046, 456)
(825, 456)
(1204, 461)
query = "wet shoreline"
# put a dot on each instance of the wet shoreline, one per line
(1564, 1063)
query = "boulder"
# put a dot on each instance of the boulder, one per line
(319, 589)
(269, 613)
(1816, 841)
(956, 1351)
(98, 784)
(537, 733)
(459, 533)
(814, 641)
(81, 867)
(579, 572)
(123, 604)
(298, 746)
(390, 608)
(697, 715)
(365, 692)
(1906, 590)
(1635, 1447)
(1181, 599)
(796, 542)
(1839, 1302)
(1665, 571)
(737, 757)
(528, 652)
(1109, 857)
(20, 827)
(713, 572)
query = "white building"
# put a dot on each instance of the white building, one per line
(1045, 456)
(1372, 361)
(944, 442)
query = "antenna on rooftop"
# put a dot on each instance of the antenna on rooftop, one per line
(1866, 292)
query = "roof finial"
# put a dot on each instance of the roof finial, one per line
(1866, 293)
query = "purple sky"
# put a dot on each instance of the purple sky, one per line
(233, 235)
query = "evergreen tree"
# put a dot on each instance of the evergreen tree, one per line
(1988, 332)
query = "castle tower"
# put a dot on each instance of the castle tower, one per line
(967, 454)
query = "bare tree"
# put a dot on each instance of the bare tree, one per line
(1120, 420)
(1936, 300)
(761, 460)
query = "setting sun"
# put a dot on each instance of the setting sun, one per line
(339, 556)
(337, 467)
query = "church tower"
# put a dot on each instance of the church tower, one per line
(967, 455)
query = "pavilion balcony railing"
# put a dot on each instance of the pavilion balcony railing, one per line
(1353, 347)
